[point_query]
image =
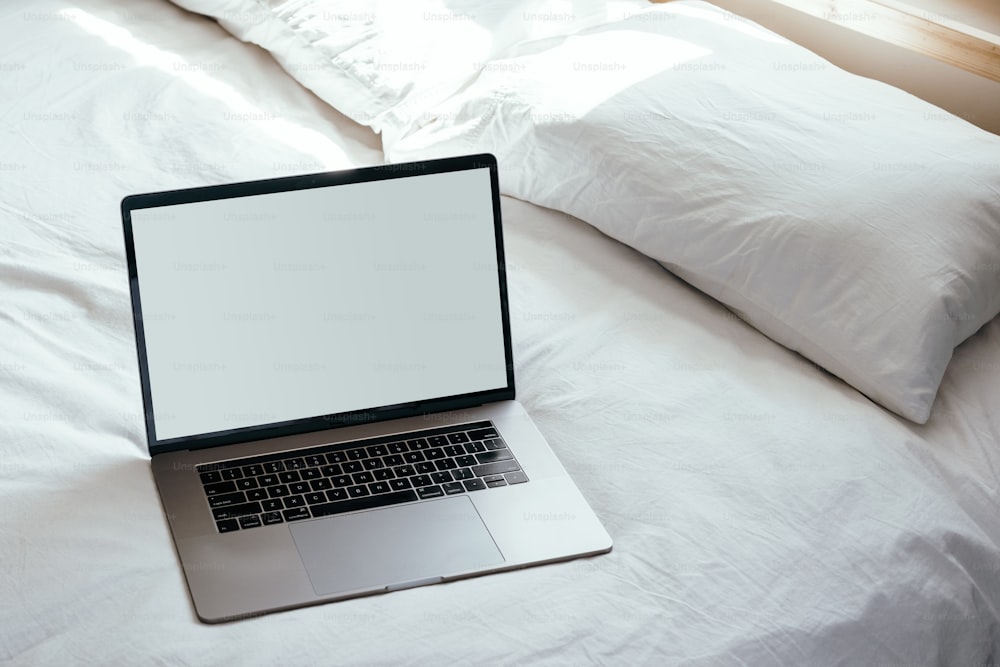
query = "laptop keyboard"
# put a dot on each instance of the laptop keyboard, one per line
(363, 474)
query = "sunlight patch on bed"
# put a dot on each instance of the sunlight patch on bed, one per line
(628, 58)
(303, 139)
(729, 20)
(412, 29)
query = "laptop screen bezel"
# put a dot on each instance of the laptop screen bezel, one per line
(286, 184)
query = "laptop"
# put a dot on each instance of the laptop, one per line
(328, 388)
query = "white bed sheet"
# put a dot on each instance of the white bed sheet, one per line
(763, 511)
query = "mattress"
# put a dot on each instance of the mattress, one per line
(763, 510)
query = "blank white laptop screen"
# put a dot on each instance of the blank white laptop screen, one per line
(274, 307)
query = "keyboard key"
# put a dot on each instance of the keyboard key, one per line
(295, 464)
(405, 471)
(483, 434)
(231, 473)
(451, 488)
(315, 461)
(424, 468)
(296, 514)
(298, 488)
(454, 450)
(445, 464)
(310, 473)
(434, 453)
(494, 481)
(254, 470)
(321, 484)
(332, 470)
(474, 484)
(393, 460)
(475, 447)
(210, 477)
(383, 474)
(417, 443)
(252, 521)
(398, 447)
(256, 494)
(421, 480)
(272, 505)
(356, 454)
(235, 511)
(220, 488)
(457, 438)
(372, 464)
(462, 473)
(288, 477)
(466, 461)
(497, 455)
(363, 477)
(358, 491)
(516, 477)
(413, 457)
(294, 501)
(336, 457)
(494, 444)
(267, 480)
(441, 477)
(278, 491)
(400, 484)
(274, 466)
(379, 487)
(246, 483)
(341, 481)
(227, 499)
(437, 441)
(271, 517)
(353, 466)
(335, 495)
(498, 468)
(227, 525)
(315, 497)
(377, 450)
(430, 492)
(367, 502)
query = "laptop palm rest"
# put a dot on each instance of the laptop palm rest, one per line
(403, 545)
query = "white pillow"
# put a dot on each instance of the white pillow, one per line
(840, 216)
(384, 62)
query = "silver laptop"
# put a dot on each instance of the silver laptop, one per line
(328, 388)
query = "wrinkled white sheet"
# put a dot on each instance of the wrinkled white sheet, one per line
(763, 512)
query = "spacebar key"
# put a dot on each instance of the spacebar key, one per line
(363, 503)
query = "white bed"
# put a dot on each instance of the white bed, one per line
(763, 510)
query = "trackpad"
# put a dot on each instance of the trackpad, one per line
(394, 546)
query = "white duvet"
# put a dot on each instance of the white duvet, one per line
(763, 511)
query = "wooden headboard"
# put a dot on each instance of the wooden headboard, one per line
(951, 63)
(903, 24)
